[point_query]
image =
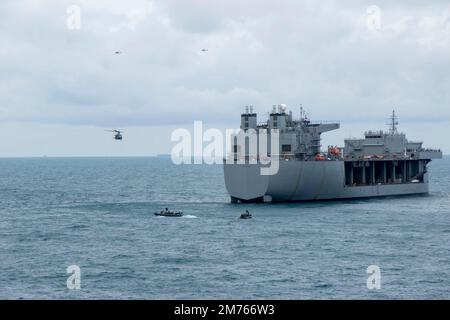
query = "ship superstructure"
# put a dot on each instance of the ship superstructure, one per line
(380, 164)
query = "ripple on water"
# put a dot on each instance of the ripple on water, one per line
(98, 213)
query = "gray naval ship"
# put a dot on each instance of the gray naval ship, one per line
(380, 164)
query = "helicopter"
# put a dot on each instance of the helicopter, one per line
(118, 134)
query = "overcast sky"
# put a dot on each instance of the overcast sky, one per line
(60, 87)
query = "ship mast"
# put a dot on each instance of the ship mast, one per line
(394, 123)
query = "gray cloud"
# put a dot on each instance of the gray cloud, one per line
(259, 52)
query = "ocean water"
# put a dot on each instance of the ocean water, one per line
(97, 213)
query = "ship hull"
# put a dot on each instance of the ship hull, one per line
(306, 181)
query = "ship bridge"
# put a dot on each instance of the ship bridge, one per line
(300, 139)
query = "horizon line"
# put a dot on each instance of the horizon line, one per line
(162, 155)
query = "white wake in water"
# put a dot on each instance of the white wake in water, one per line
(189, 216)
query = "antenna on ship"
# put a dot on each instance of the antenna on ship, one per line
(394, 123)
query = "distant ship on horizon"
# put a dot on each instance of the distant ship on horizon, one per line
(380, 164)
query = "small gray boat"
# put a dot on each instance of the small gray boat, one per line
(167, 213)
(246, 215)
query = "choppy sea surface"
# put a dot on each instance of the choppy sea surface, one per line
(97, 213)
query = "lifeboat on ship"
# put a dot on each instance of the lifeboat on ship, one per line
(334, 151)
(320, 157)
